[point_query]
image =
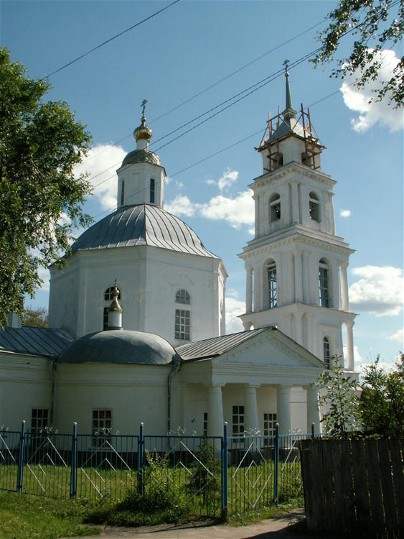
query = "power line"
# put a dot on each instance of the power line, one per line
(111, 39)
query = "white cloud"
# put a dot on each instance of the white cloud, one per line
(234, 308)
(398, 336)
(378, 291)
(181, 205)
(345, 213)
(101, 164)
(226, 181)
(235, 211)
(357, 99)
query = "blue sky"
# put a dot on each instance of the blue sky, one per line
(226, 46)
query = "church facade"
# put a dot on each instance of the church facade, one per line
(137, 314)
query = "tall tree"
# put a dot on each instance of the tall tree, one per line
(373, 25)
(40, 197)
(35, 318)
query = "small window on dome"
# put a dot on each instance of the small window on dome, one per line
(152, 190)
(314, 207)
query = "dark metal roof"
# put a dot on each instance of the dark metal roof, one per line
(209, 348)
(142, 224)
(119, 346)
(36, 341)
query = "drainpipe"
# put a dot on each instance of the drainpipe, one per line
(174, 369)
(52, 403)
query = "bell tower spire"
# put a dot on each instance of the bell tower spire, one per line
(289, 111)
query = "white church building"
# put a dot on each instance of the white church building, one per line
(137, 315)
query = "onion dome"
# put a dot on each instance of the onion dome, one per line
(143, 132)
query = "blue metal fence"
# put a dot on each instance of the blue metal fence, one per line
(221, 475)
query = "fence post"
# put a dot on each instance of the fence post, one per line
(312, 430)
(73, 474)
(224, 493)
(21, 458)
(140, 459)
(276, 465)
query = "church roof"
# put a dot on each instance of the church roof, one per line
(142, 156)
(209, 348)
(142, 224)
(34, 341)
(119, 346)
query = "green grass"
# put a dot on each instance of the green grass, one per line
(35, 517)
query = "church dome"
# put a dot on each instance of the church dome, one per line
(143, 224)
(119, 346)
(142, 156)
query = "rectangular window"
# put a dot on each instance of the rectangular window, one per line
(269, 426)
(122, 193)
(323, 286)
(39, 420)
(101, 426)
(105, 319)
(205, 423)
(182, 325)
(272, 286)
(238, 420)
(152, 190)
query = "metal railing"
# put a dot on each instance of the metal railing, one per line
(220, 475)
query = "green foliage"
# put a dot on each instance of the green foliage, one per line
(382, 401)
(29, 517)
(40, 197)
(373, 25)
(339, 401)
(162, 501)
(205, 479)
(35, 318)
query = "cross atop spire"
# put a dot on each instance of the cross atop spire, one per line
(289, 111)
(143, 105)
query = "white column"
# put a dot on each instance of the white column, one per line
(313, 416)
(248, 298)
(294, 202)
(215, 411)
(298, 277)
(251, 409)
(258, 288)
(349, 344)
(344, 287)
(283, 409)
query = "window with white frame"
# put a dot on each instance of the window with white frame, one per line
(238, 416)
(274, 208)
(269, 426)
(109, 293)
(101, 425)
(314, 207)
(182, 296)
(39, 420)
(323, 283)
(182, 325)
(326, 353)
(272, 284)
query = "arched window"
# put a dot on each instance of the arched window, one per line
(182, 296)
(108, 294)
(274, 208)
(272, 285)
(323, 283)
(152, 190)
(314, 207)
(326, 353)
(276, 160)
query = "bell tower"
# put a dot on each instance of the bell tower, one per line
(296, 266)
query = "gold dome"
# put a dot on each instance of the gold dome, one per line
(143, 132)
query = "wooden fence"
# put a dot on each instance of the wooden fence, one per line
(354, 486)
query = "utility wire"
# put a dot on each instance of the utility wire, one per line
(110, 39)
